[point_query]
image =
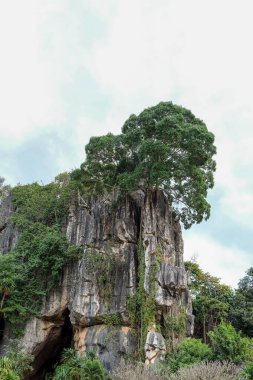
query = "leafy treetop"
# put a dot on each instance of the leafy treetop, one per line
(241, 311)
(211, 299)
(4, 189)
(164, 147)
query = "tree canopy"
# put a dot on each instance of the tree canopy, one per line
(211, 300)
(164, 147)
(241, 311)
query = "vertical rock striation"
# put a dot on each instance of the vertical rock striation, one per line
(8, 232)
(89, 309)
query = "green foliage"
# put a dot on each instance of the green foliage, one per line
(76, 367)
(113, 320)
(248, 370)
(175, 324)
(8, 274)
(35, 265)
(188, 352)
(227, 344)
(44, 204)
(165, 147)
(15, 364)
(248, 357)
(104, 265)
(6, 370)
(211, 299)
(241, 310)
(141, 306)
(99, 172)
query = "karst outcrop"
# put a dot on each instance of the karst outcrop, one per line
(131, 245)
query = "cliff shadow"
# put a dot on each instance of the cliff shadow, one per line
(2, 327)
(50, 354)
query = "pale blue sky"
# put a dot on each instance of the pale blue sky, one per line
(73, 69)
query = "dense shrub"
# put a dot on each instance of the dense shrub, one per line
(15, 364)
(188, 352)
(35, 265)
(248, 370)
(76, 367)
(227, 344)
(6, 370)
(241, 310)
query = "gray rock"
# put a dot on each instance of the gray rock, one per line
(8, 232)
(155, 348)
(109, 229)
(110, 343)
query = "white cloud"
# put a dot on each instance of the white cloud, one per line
(32, 69)
(194, 45)
(229, 264)
(196, 53)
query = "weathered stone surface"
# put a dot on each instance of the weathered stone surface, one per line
(163, 247)
(100, 231)
(45, 339)
(172, 283)
(161, 236)
(109, 230)
(111, 343)
(189, 316)
(155, 347)
(8, 232)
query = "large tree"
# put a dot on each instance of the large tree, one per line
(241, 310)
(211, 300)
(164, 147)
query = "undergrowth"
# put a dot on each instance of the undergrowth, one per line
(35, 266)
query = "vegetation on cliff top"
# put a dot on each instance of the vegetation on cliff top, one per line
(214, 302)
(164, 147)
(35, 265)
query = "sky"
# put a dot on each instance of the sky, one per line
(70, 70)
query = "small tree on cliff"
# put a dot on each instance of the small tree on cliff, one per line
(241, 310)
(4, 189)
(211, 300)
(164, 147)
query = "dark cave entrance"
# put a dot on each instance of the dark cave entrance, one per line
(2, 326)
(50, 354)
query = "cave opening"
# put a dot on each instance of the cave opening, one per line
(2, 326)
(50, 354)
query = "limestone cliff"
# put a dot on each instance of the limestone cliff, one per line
(90, 307)
(8, 232)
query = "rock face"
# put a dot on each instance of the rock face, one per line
(155, 347)
(89, 309)
(8, 232)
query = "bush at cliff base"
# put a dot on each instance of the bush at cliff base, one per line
(16, 363)
(188, 352)
(76, 367)
(6, 371)
(228, 344)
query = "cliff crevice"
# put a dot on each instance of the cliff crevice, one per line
(90, 305)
